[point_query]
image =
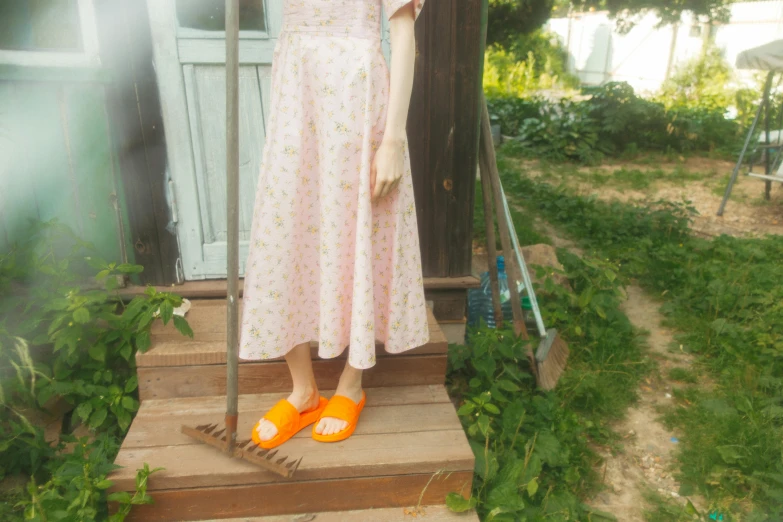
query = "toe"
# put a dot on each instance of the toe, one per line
(266, 430)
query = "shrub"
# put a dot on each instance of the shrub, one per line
(706, 82)
(612, 122)
(531, 63)
(67, 338)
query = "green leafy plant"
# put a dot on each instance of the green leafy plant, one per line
(532, 63)
(533, 450)
(724, 298)
(612, 122)
(69, 339)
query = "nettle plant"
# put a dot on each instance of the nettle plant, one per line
(84, 337)
(68, 338)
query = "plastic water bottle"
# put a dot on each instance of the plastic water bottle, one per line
(480, 299)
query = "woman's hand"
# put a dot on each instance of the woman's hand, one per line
(387, 167)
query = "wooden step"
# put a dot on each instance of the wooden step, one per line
(409, 449)
(201, 362)
(407, 514)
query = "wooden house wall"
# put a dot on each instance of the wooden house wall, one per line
(443, 131)
(83, 179)
(56, 156)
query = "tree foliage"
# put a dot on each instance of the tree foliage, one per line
(668, 11)
(510, 18)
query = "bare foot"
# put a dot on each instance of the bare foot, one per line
(330, 425)
(302, 400)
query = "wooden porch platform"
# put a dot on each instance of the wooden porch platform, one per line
(411, 514)
(409, 448)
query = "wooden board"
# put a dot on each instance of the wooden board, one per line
(207, 318)
(317, 496)
(404, 514)
(216, 288)
(405, 430)
(161, 382)
(363, 455)
(409, 447)
(201, 371)
(164, 431)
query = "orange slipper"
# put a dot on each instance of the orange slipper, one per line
(342, 408)
(288, 422)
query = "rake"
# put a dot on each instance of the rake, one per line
(549, 360)
(267, 459)
(225, 438)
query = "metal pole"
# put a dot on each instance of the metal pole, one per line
(767, 150)
(232, 223)
(751, 131)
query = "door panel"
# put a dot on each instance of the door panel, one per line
(189, 50)
(204, 84)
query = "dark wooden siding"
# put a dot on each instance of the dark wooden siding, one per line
(443, 131)
(134, 108)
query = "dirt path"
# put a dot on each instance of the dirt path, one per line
(646, 461)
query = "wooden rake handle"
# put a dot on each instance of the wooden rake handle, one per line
(490, 178)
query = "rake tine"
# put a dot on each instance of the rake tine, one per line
(202, 427)
(210, 428)
(270, 460)
(296, 466)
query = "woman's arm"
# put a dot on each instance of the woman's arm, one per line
(388, 165)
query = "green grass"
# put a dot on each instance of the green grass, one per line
(634, 178)
(662, 509)
(534, 451)
(725, 299)
(683, 375)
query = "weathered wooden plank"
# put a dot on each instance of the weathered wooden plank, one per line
(172, 352)
(443, 132)
(448, 305)
(162, 382)
(467, 73)
(397, 514)
(427, 394)
(204, 317)
(92, 166)
(217, 288)
(290, 498)
(199, 465)
(155, 431)
(419, 134)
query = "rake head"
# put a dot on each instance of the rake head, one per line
(245, 450)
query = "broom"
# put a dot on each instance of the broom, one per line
(549, 360)
(225, 438)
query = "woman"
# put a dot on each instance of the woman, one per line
(334, 251)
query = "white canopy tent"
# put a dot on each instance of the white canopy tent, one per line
(768, 57)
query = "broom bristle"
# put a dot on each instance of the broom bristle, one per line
(551, 359)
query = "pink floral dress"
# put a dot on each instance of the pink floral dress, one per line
(325, 262)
